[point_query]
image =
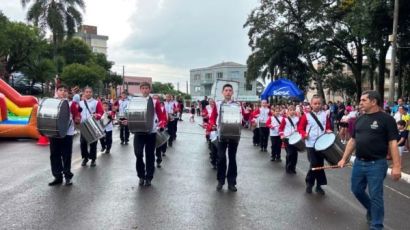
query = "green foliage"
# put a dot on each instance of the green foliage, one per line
(81, 75)
(168, 88)
(76, 50)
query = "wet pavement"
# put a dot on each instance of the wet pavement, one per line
(183, 194)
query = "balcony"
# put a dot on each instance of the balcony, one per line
(207, 82)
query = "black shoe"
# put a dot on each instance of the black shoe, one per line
(93, 164)
(147, 183)
(84, 163)
(68, 182)
(232, 188)
(141, 182)
(158, 165)
(56, 181)
(293, 171)
(122, 142)
(309, 189)
(107, 151)
(170, 144)
(126, 142)
(288, 171)
(320, 191)
(272, 159)
(219, 186)
(278, 160)
(102, 150)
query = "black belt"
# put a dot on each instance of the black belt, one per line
(368, 158)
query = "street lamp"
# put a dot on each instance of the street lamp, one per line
(393, 39)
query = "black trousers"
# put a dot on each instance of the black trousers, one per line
(147, 141)
(213, 154)
(222, 173)
(60, 157)
(106, 142)
(256, 136)
(276, 146)
(172, 130)
(291, 157)
(159, 151)
(264, 137)
(124, 133)
(85, 154)
(316, 159)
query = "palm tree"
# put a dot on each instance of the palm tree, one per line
(62, 17)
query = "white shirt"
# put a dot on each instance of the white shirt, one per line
(92, 105)
(289, 129)
(313, 128)
(273, 132)
(123, 105)
(70, 130)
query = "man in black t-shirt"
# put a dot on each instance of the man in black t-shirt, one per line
(375, 135)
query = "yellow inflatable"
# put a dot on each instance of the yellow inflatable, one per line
(24, 112)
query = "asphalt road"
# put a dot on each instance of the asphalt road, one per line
(183, 194)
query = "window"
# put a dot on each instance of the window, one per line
(197, 76)
(248, 86)
(208, 76)
(234, 74)
(197, 89)
(244, 74)
(219, 75)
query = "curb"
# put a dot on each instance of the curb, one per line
(404, 176)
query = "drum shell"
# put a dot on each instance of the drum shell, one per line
(334, 153)
(53, 117)
(296, 140)
(161, 138)
(230, 122)
(140, 114)
(91, 130)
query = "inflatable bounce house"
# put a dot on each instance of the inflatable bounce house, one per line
(18, 114)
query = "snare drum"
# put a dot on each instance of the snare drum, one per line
(53, 117)
(92, 130)
(140, 114)
(326, 143)
(296, 140)
(230, 122)
(161, 138)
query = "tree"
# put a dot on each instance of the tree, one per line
(168, 88)
(81, 75)
(61, 17)
(75, 50)
(40, 70)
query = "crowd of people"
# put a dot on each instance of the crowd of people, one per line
(370, 131)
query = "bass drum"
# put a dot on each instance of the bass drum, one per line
(53, 117)
(331, 148)
(296, 140)
(91, 130)
(161, 138)
(230, 122)
(140, 114)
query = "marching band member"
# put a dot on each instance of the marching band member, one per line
(256, 136)
(61, 148)
(161, 150)
(264, 114)
(123, 105)
(210, 134)
(107, 117)
(313, 124)
(286, 128)
(232, 146)
(273, 124)
(90, 107)
(146, 171)
(171, 114)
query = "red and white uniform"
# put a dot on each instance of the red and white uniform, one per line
(160, 119)
(94, 107)
(309, 127)
(286, 128)
(264, 115)
(75, 117)
(273, 125)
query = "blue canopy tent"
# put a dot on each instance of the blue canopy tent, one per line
(284, 88)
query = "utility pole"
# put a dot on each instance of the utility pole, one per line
(393, 52)
(186, 87)
(123, 79)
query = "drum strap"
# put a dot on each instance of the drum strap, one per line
(291, 122)
(277, 120)
(317, 121)
(86, 105)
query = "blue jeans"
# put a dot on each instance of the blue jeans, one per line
(370, 174)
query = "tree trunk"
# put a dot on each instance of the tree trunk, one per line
(319, 88)
(382, 70)
(400, 81)
(371, 79)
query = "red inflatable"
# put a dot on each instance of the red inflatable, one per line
(16, 97)
(3, 108)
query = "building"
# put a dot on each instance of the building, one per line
(132, 84)
(98, 43)
(202, 80)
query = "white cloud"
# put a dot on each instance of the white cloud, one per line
(163, 39)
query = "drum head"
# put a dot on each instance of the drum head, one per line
(294, 138)
(325, 141)
(53, 117)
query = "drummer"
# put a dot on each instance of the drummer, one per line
(107, 119)
(287, 127)
(90, 107)
(161, 150)
(170, 107)
(124, 131)
(232, 146)
(273, 124)
(313, 124)
(61, 148)
(262, 117)
(253, 117)
(145, 171)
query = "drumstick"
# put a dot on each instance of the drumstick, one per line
(329, 167)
